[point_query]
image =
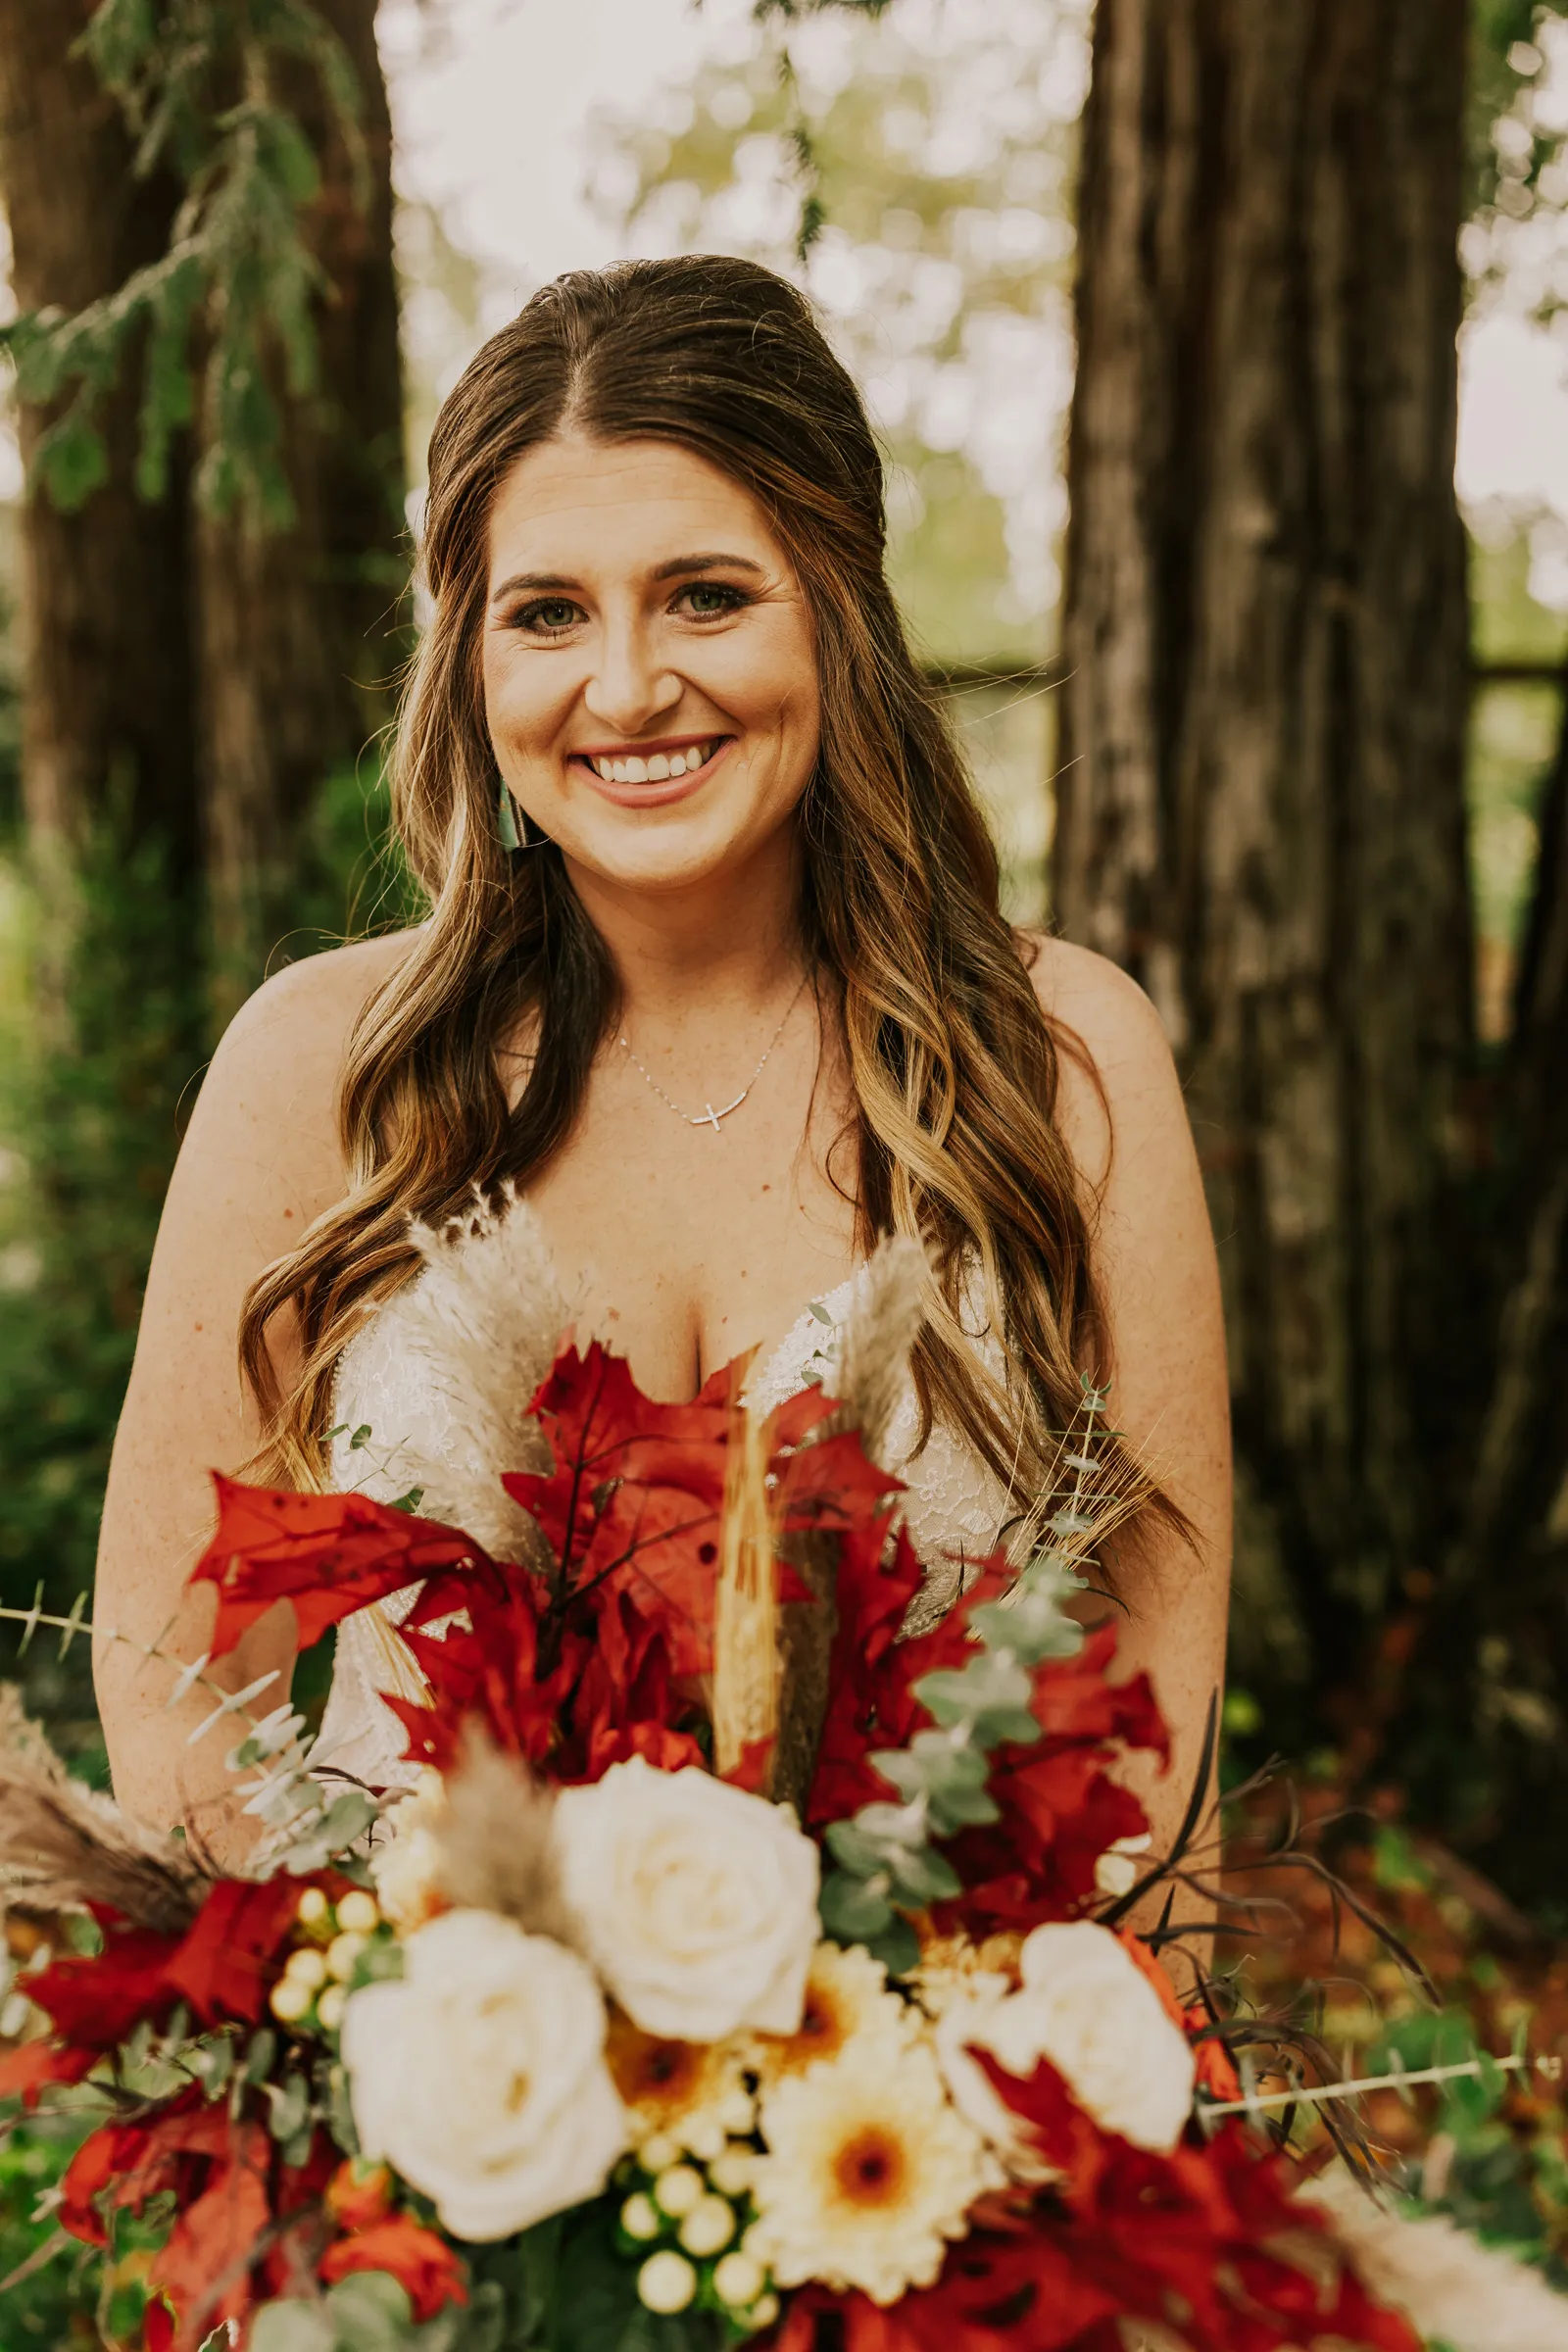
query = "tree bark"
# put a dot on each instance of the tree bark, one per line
(1261, 810)
(301, 630)
(105, 592)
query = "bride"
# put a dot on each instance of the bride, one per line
(714, 981)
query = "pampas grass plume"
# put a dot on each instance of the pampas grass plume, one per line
(494, 1845)
(63, 1845)
(1452, 2288)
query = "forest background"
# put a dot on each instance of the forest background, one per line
(1156, 309)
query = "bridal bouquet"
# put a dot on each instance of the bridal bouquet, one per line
(732, 1967)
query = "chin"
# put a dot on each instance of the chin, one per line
(676, 849)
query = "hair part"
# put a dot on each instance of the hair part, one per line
(953, 1067)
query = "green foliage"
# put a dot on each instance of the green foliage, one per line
(918, 176)
(569, 2285)
(197, 81)
(1499, 2169)
(104, 1029)
(78, 2298)
(110, 1036)
(889, 1866)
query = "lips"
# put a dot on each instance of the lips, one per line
(651, 778)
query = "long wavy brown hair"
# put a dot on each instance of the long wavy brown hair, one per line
(953, 1067)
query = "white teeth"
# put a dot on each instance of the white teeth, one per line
(632, 770)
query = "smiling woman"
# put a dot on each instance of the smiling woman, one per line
(726, 1000)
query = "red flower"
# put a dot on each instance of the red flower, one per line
(429, 2270)
(359, 2195)
(1202, 2231)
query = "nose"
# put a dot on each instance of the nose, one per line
(630, 685)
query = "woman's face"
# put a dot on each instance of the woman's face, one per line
(650, 679)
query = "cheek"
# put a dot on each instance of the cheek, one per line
(518, 706)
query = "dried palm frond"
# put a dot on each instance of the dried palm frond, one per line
(1450, 2286)
(62, 1846)
(481, 1322)
(746, 1609)
(494, 1849)
(879, 1331)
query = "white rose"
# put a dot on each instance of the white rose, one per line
(481, 2076)
(1087, 2006)
(962, 2027)
(696, 1902)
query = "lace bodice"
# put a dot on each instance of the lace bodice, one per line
(425, 1398)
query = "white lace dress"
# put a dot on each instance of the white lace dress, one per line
(426, 1397)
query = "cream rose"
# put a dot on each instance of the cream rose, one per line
(1085, 2006)
(697, 1903)
(481, 2076)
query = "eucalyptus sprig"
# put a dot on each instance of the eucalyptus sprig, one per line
(889, 1860)
(305, 1829)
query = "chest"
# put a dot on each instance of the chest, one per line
(694, 1242)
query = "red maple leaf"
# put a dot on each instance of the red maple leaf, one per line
(328, 1555)
(227, 1963)
(96, 2001)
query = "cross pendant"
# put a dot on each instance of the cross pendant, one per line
(710, 1117)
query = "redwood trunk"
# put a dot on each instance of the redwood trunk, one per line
(300, 629)
(1261, 810)
(105, 595)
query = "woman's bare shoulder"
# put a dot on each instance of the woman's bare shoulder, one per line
(270, 1093)
(309, 1008)
(1124, 1076)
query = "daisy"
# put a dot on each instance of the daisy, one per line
(847, 2000)
(868, 2173)
(688, 2094)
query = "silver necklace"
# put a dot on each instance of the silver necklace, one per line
(708, 1116)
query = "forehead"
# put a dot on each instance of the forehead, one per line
(571, 503)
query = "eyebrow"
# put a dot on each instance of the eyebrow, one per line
(540, 582)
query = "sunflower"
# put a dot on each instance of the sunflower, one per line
(847, 2000)
(868, 2173)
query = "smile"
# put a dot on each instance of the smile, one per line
(650, 777)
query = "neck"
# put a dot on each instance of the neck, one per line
(734, 941)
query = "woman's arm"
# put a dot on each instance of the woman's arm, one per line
(258, 1163)
(1155, 1262)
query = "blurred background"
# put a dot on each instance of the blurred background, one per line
(1221, 363)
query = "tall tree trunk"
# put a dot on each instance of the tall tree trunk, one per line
(300, 629)
(105, 593)
(1261, 812)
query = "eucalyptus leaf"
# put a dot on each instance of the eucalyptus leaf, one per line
(898, 1947)
(370, 2312)
(293, 2326)
(287, 2107)
(926, 1876)
(852, 1912)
